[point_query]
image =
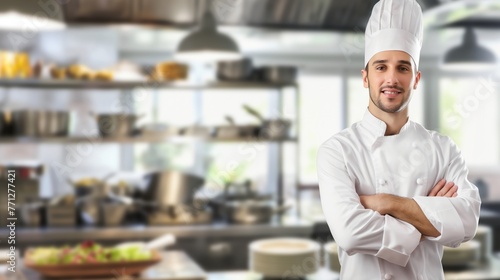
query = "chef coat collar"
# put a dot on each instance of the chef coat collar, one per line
(377, 127)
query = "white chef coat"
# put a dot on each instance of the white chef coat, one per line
(360, 160)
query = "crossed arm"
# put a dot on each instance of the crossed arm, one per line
(406, 209)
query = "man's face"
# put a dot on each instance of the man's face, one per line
(390, 79)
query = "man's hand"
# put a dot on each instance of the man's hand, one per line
(444, 189)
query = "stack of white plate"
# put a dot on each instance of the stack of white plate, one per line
(284, 257)
(484, 235)
(332, 256)
(467, 253)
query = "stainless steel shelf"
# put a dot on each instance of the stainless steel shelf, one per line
(136, 139)
(78, 84)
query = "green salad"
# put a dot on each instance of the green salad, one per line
(87, 252)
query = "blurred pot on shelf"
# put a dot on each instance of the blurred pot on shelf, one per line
(234, 70)
(271, 128)
(234, 131)
(240, 205)
(116, 125)
(33, 123)
(279, 74)
(170, 188)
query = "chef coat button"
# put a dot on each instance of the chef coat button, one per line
(420, 181)
(387, 276)
(381, 182)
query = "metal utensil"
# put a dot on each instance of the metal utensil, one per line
(155, 244)
(271, 129)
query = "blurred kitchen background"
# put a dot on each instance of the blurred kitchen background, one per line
(119, 127)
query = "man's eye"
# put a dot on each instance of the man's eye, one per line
(404, 69)
(379, 68)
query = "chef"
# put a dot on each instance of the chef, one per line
(392, 192)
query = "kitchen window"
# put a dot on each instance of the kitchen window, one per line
(321, 117)
(470, 116)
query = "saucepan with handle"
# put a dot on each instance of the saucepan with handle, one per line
(271, 128)
(116, 125)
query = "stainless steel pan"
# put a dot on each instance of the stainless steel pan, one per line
(273, 128)
(116, 125)
(170, 188)
(33, 123)
(233, 131)
(234, 70)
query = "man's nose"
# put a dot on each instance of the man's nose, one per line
(391, 77)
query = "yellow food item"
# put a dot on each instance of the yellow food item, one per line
(76, 71)
(170, 71)
(89, 75)
(104, 75)
(58, 73)
(87, 182)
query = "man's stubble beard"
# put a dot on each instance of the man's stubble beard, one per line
(381, 106)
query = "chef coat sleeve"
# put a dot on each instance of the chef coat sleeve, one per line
(355, 229)
(456, 218)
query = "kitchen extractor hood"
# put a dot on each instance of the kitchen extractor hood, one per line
(340, 15)
(337, 15)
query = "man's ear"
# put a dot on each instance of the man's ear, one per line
(364, 73)
(417, 79)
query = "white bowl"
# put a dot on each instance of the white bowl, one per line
(332, 256)
(466, 254)
(284, 257)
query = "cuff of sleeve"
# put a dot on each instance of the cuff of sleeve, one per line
(443, 216)
(399, 240)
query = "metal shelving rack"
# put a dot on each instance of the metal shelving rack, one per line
(131, 85)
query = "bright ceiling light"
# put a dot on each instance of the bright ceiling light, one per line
(469, 56)
(207, 44)
(15, 21)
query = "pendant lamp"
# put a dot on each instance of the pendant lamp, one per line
(207, 43)
(469, 56)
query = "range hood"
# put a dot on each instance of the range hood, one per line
(340, 15)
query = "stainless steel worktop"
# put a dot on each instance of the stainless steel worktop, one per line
(487, 271)
(47, 235)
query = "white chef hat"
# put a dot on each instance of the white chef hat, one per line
(394, 25)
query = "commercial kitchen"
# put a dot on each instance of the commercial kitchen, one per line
(195, 124)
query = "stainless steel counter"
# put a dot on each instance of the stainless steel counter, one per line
(483, 272)
(214, 247)
(60, 235)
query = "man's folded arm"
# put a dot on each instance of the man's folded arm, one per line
(355, 229)
(455, 218)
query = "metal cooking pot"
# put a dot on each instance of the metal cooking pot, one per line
(240, 205)
(6, 123)
(251, 211)
(279, 74)
(116, 125)
(34, 123)
(234, 70)
(271, 129)
(54, 123)
(236, 131)
(170, 188)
